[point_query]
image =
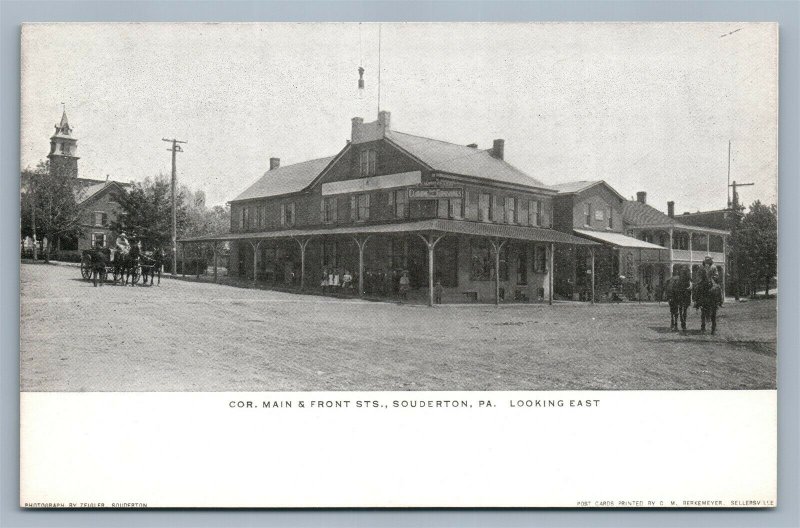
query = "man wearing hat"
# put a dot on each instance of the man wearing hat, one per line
(123, 246)
(710, 270)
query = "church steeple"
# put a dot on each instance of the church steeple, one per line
(63, 148)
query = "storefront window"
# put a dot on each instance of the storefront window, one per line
(480, 260)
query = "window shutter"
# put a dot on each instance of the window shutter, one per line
(283, 214)
(335, 207)
(322, 218)
(497, 210)
(353, 208)
(366, 204)
(522, 213)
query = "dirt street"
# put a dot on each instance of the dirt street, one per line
(186, 336)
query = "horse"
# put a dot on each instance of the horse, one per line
(154, 261)
(99, 261)
(708, 296)
(679, 296)
(126, 265)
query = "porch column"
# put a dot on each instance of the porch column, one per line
(671, 258)
(691, 254)
(256, 247)
(362, 243)
(303, 244)
(640, 275)
(183, 259)
(708, 243)
(214, 251)
(592, 275)
(724, 267)
(430, 241)
(497, 245)
(550, 273)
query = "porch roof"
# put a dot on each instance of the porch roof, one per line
(617, 240)
(434, 225)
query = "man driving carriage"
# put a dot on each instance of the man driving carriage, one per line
(122, 244)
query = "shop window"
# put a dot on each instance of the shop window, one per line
(446, 262)
(540, 259)
(522, 265)
(329, 254)
(399, 254)
(480, 260)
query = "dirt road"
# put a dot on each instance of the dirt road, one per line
(185, 336)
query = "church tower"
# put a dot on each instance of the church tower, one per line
(63, 147)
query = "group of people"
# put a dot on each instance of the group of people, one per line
(376, 282)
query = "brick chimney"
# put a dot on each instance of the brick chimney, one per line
(385, 119)
(671, 209)
(641, 197)
(355, 129)
(274, 163)
(498, 148)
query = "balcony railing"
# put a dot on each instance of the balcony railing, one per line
(697, 256)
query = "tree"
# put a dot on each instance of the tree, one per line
(147, 212)
(755, 245)
(48, 206)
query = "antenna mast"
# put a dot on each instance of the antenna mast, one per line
(379, 68)
(729, 174)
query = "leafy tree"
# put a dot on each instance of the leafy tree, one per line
(48, 206)
(147, 212)
(754, 244)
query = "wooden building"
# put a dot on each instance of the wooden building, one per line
(391, 203)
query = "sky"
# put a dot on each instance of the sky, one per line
(645, 107)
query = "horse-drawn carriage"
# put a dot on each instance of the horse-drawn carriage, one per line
(100, 263)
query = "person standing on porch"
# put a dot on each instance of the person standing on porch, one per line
(438, 290)
(404, 285)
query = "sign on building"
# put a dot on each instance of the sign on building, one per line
(435, 193)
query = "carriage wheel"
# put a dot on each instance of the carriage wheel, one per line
(86, 270)
(117, 273)
(135, 274)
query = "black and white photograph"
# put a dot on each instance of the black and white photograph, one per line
(427, 213)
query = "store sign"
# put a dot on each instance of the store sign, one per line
(435, 193)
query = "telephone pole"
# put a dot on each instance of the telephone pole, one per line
(175, 149)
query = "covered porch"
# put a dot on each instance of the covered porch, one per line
(621, 268)
(444, 260)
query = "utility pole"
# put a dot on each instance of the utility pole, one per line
(175, 149)
(734, 203)
(32, 195)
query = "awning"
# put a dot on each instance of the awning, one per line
(434, 225)
(617, 240)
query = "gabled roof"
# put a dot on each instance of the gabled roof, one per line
(285, 180)
(462, 160)
(83, 194)
(637, 214)
(640, 214)
(579, 186)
